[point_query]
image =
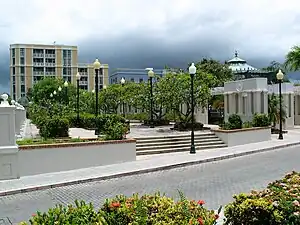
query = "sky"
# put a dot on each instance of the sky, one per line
(140, 33)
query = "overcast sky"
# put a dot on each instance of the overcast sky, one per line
(140, 33)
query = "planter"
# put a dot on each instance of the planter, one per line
(49, 158)
(179, 126)
(244, 136)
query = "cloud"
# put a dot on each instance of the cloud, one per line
(139, 33)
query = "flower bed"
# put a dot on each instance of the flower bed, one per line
(144, 210)
(278, 204)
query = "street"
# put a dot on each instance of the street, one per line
(215, 183)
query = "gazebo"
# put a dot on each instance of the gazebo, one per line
(242, 70)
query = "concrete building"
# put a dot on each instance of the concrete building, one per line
(132, 75)
(29, 63)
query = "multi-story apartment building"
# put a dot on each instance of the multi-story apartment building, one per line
(29, 63)
(132, 75)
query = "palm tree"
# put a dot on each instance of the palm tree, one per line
(292, 59)
(274, 110)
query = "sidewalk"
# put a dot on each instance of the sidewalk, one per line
(143, 164)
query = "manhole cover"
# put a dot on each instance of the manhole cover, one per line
(5, 221)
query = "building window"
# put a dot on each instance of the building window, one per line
(13, 53)
(14, 61)
(262, 102)
(13, 70)
(22, 52)
(67, 71)
(14, 89)
(22, 70)
(14, 79)
(22, 79)
(22, 61)
(23, 89)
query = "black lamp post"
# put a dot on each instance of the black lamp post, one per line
(151, 75)
(97, 66)
(123, 103)
(279, 77)
(66, 84)
(192, 72)
(77, 105)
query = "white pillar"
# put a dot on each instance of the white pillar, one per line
(9, 168)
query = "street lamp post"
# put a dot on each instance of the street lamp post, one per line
(66, 90)
(151, 75)
(77, 105)
(192, 72)
(279, 77)
(97, 66)
(123, 103)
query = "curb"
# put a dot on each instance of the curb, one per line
(167, 167)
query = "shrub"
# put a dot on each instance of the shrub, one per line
(156, 209)
(137, 116)
(235, 121)
(114, 131)
(247, 124)
(278, 204)
(145, 210)
(82, 213)
(54, 127)
(261, 120)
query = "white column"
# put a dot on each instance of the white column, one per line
(9, 168)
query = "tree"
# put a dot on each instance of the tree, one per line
(272, 70)
(175, 87)
(274, 110)
(221, 72)
(110, 98)
(292, 59)
(42, 90)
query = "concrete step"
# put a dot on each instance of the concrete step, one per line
(184, 149)
(179, 136)
(178, 143)
(174, 139)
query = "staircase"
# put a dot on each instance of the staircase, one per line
(178, 143)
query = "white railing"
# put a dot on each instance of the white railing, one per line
(83, 83)
(38, 55)
(38, 73)
(38, 64)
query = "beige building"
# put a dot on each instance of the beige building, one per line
(30, 63)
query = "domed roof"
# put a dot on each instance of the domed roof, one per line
(238, 65)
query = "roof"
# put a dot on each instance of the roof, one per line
(238, 65)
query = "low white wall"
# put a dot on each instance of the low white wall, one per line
(55, 158)
(244, 136)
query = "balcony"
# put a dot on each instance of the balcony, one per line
(49, 64)
(38, 72)
(83, 83)
(38, 55)
(50, 55)
(38, 63)
(50, 73)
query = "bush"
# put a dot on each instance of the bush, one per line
(137, 116)
(278, 204)
(235, 122)
(114, 131)
(54, 127)
(261, 120)
(82, 213)
(180, 126)
(145, 210)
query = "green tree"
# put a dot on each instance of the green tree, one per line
(272, 70)
(274, 110)
(42, 90)
(110, 98)
(175, 87)
(292, 59)
(221, 72)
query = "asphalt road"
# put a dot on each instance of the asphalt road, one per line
(215, 183)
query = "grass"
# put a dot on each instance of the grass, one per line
(36, 141)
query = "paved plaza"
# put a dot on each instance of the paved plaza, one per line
(213, 182)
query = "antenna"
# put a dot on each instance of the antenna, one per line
(54, 42)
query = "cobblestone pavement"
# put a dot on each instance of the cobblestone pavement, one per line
(213, 182)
